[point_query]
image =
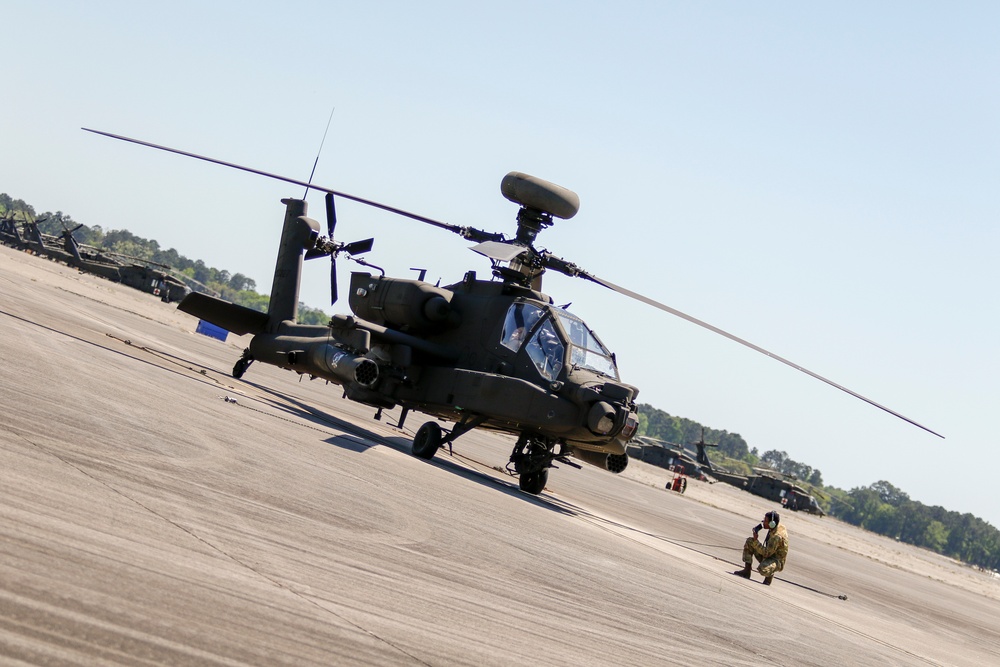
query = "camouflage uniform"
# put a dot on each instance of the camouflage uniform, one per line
(771, 554)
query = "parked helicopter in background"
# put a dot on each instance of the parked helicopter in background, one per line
(10, 235)
(768, 484)
(668, 455)
(773, 486)
(137, 273)
(493, 354)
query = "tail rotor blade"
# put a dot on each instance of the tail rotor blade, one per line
(333, 280)
(331, 215)
(331, 224)
(359, 247)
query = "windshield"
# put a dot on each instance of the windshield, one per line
(546, 350)
(586, 351)
(521, 317)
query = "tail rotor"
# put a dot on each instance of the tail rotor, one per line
(329, 246)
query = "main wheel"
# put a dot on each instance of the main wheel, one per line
(534, 482)
(427, 440)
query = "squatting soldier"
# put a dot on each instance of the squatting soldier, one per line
(771, 554)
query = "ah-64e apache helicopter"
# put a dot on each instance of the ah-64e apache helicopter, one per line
(493, 354)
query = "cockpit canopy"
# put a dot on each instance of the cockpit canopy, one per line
(547, 333)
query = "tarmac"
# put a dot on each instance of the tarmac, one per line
(156, 511)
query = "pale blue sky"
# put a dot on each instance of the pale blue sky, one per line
(819, 180)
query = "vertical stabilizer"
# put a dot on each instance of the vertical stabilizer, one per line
(703, 457)
(34, 237)
(72, 247)
(297, 235)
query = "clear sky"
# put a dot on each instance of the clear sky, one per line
(820, 180)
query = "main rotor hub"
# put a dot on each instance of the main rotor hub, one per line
(530, 221)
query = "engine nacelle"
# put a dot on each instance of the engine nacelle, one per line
(409, 305)
(314, 356)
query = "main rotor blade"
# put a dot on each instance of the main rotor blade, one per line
(463, 231)
(715, 329)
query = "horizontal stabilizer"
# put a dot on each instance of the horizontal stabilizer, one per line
(239, 320)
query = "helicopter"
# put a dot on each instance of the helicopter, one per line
(137, 273)
(765, 483)
(28, 237)
(667, 455)
(155, 279)
(9, 233)
(773, 486)
(494, 354)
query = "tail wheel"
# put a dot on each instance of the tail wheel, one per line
(426, 441)
(241, 367)
(242, 364)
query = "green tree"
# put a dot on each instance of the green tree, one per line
(309, 315)
(884, 519)
(889, 493)
(240, 282)
(935, 536)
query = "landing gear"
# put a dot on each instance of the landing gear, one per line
(427, 441)
(533, 483)
(429, 437)
(242, 364)
(531, 459)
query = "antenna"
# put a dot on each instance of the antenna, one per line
(316, 161)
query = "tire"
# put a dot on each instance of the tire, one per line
(240, 368)
(534, 483)
(426, 441)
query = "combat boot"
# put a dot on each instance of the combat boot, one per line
(745, 572)
(767, 580)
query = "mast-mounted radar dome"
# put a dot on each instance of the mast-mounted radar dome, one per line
(540, 195)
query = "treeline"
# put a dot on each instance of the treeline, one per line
(880, 508)
(234, 287)
(884, 509)
(681, 431)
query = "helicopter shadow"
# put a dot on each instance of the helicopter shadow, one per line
(359, 439)
(509, 488)
(364, 439)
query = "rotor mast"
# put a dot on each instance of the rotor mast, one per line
(540, 201)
